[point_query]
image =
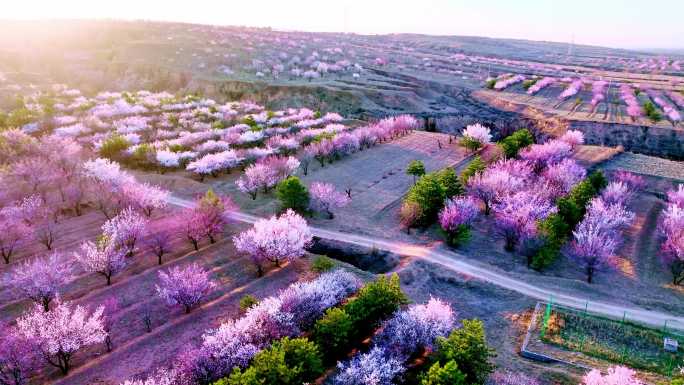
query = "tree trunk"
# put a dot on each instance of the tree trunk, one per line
(510, 244)
(46, 304)
(590, 274)
(108, 343)
(109, 279)
(260, 271)
(159, 257)
(211, 238)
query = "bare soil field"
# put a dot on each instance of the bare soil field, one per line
(376, 176)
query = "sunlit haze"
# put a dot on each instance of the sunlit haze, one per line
(614, 23)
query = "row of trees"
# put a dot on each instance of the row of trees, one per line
(597, 237)
(326, 147)
(672, 230)
(521, 192)
(56, 334)
(426, 197)
(52, 189)
(236, 343)
(41, 278)
(319, 197)
(537, 202)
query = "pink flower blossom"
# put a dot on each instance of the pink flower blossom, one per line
(517, 215)
(184, 286)
(676, 196)
(617, 375)
(416, 328)
(458, 213)
(61, 332)
(324, 198)
(104, 258)
(563, 176)
(276, 239)
(41, 278)
(478, 133)
(542, 155)
(124, 230)
(374, 367)
(18, 358)
(572, 137)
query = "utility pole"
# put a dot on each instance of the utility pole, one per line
(571, 46)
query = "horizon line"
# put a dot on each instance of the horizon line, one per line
(671, 50)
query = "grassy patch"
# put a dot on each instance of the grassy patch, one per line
(619, 342)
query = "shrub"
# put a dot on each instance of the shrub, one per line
(322, 263)
(332, 333)
(467, 347)
(292, 194)
(449, 374)
(375, 301)
(476, 165)
(409, 215)
(598, 180)
(415, 168)
(142, 157)
(286, 362)
(512, 144)
(113, 147)
(247, 301)
(528, 83)
(429, 194)
(490, 84)
(652, 112)
(459, 236)
(554, 231)
(249, 120)
(450, 183)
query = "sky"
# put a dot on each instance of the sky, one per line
(612, 23)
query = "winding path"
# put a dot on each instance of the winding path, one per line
(456, 262)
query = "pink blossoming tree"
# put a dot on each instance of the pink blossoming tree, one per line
(375, 365)
(456, 217)
(125, 229)
(184, 286)
(63, 331)
(14, 231)
(18, 358)
(618, 375)
(324, 198)
(517, 215)
(41, 278)
(275, 240)
(416, 328)
(103, 257)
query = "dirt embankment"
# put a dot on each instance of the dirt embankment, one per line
(658, 141)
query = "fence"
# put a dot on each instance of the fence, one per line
(620, 341)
